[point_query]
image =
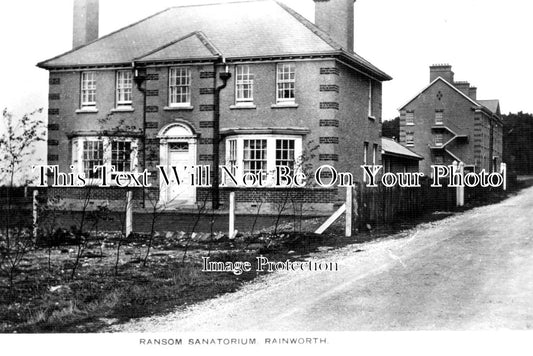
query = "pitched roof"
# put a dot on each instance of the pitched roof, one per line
(492, 105)
(392, 147)
(242, 29)
(193, 46)
(446, 82)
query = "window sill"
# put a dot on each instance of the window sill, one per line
(123, 109)
(179, 108)
(87, 111)
(284, 106)
(370, 117)
(409, 124)
(242, 107)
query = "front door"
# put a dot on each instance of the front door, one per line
(181, 157)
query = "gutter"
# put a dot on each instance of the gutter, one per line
(139, 76)
(215, 189)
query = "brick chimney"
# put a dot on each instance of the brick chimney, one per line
(441, 70)
(472, 93)
(85, 22)
(336, 17)
(464, 87)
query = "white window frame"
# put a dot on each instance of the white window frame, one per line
(281, 70)
(439, 140)
(78, 152)
(124, 87)
(270, 154)
(439, 117)
(183, 80)
(244, 78)
(410, 118)
(370, 99)
(410, 143)
(366, 146)
(231, 155)
(88, 89)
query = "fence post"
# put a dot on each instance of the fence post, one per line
(349, 210)
(503, 172)
(460, 190)
(35, 212)
(231, 228)
(129, 212)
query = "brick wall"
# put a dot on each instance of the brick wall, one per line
(273, 195)
(456, 109)
(331, 102)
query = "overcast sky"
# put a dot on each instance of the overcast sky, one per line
(487, 42)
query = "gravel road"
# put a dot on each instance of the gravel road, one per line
(471, 271)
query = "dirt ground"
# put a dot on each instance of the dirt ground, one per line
(471, 271)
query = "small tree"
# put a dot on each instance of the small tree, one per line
(17, 148)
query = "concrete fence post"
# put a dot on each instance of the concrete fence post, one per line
(35, 213)
(349, 210)
(129, 212)
(231, 227)
(503, 172)
(461, 189)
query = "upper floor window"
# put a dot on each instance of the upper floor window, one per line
(88, 89)
(439, 117)
(244, 85)
(180, 86)
(365, 153)
(370, 99)
(124, 87)
(285, 82)
(374, 154)
(439, 140)
(410, 118)
(409, 139)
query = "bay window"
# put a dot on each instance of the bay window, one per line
(93, 156)
(254, 156)
(262, 154)
(119, 153)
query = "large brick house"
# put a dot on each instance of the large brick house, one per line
(250, 84)
(445, 122)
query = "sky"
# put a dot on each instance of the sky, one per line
(487, 42)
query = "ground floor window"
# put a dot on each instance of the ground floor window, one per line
(262, 154)
(119, 153)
